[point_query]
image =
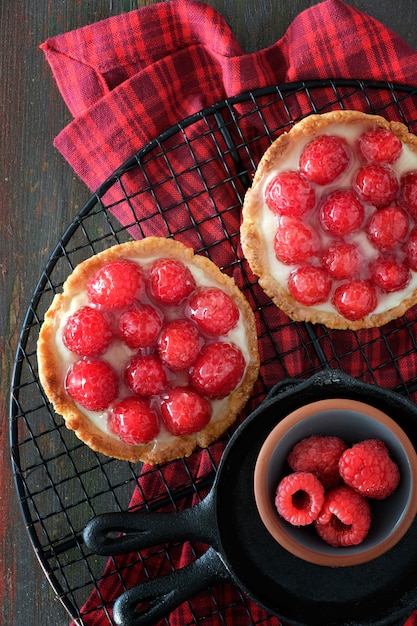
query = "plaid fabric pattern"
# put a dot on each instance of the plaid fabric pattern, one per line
(129, 78)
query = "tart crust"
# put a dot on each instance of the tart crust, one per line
(52, 371)
(253, 243)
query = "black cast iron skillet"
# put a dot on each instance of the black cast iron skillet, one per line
(382, 592)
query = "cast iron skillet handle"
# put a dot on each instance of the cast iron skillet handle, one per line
(283, 385)
(163, 595)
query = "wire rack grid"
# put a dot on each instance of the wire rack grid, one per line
(192, 180)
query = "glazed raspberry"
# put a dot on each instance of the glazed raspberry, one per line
(116, 284)
(213, 310)
(389, 274)
(179, 344)
(309, 285)
(319, 455)
(92, 383)
(411, 249)
(290, 194)
(145, 375)
(387, 227)
(368, 468)
(345, 518)
(379, 145)
(140, 326)
(341, 213)
(170, 281)
(185, 411)
(87, 332)
(294, 241)
(324, 159)
(133, 421)
(342, 260)
(299, 498)
(355, 299)
(376, 184)
(218, 370)
(408, 193)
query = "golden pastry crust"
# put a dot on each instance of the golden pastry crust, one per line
(254, 245)
(52, 371)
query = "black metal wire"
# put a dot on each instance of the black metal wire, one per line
(60, 482)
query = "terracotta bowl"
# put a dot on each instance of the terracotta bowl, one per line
(353, 421)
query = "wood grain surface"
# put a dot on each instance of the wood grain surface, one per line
(39, 195)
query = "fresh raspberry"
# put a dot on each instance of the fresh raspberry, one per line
(324, 159)
(116, 284)
(140, 326)
(345, 517)
(355, 299)
(389, 274)
(309, 285)
(299, 498)
(376, 184)
(387, 227)
(92, 383)
(145, 375)
(294, 241)
(408, 193)
(170, 281)
(185, 411)
(380, 146)
(218, 370)
(290, 194)
(341, 213)
(87, 332)
(368, 468)
(179, 344)
(133, 421)
(319, 455)
(342, 260)
(213, 310)
(411, 249)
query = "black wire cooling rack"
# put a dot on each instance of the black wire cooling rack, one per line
(60, 482)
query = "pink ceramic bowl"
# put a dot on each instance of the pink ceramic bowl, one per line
(352, 421)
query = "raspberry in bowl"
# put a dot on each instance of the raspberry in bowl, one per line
(149, 351)
(335, 482)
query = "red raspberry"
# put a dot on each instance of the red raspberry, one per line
(213, 310)
(140, 326)
(408, 193)
(319, 455)
(379, 145)
(116, 284)
(411, 249)
(133, 421)
(145, 375)
(342, 260)
(179, 344)
(218, 369)
(389, 274)
(170, 281)
(87, 332)
(309, 285)
(324, 159)
(299, 498)
(376, 184)
(341, 213)
(92, 383)
(290, 194)
(355, 299)
(387, 227)
(294, 242)
(185, 411)
(368, 468)
(345, 518)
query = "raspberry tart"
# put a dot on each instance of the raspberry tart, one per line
(149, 352)
(330, 222)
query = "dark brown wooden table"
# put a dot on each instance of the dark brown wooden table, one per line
(39, 195)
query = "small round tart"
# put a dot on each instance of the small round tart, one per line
(149, 352)
(330, 222)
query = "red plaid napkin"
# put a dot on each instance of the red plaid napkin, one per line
(128, 78)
